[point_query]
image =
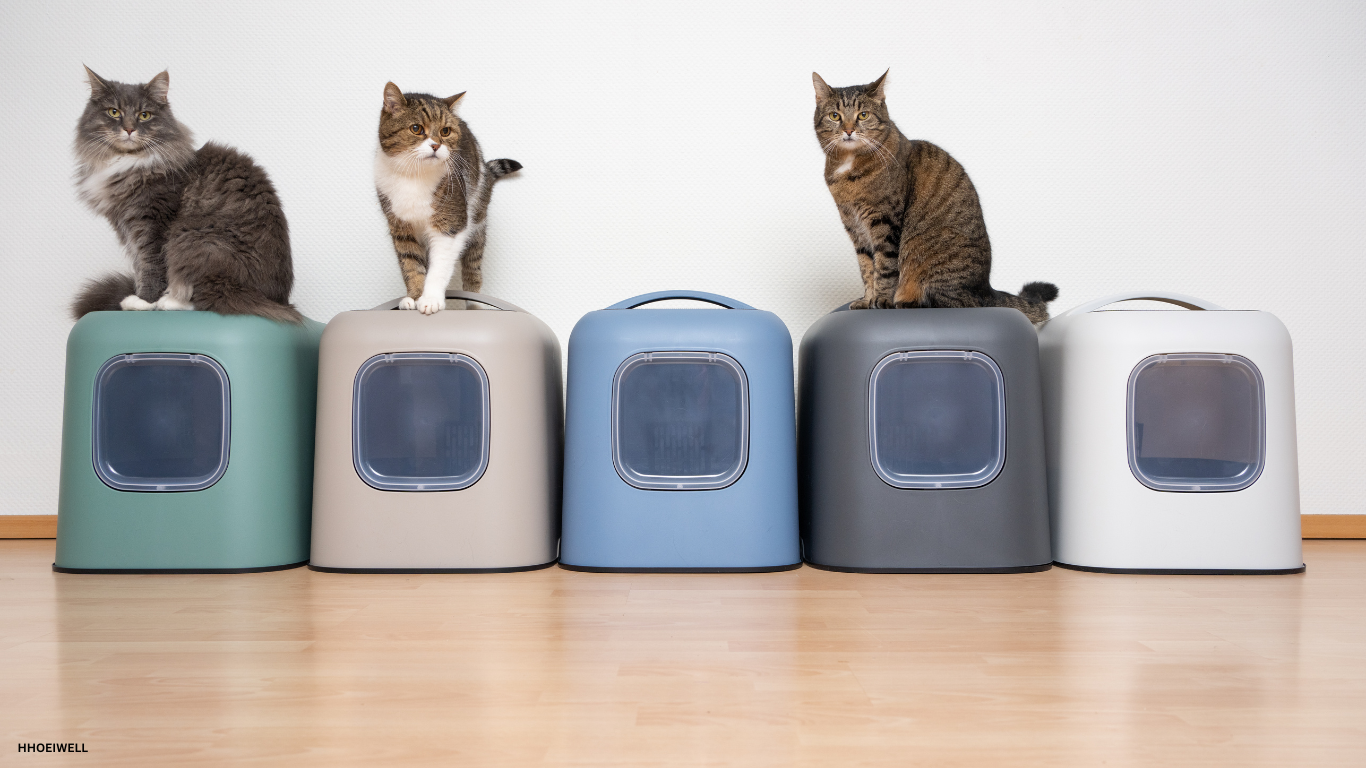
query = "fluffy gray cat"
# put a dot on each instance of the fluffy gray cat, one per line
(203, 228)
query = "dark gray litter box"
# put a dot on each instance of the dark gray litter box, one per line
(921, 443)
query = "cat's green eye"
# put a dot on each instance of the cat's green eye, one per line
(863, 115)
(144, 116)
(113, 112)
(446, 131)
(834, 116)
(415, 128)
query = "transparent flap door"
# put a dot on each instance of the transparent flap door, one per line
(420, 421)
(937, 419)
(1196, 422)
(680, 420)
(162, 422)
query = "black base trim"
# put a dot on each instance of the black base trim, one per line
(513, 569)
(1007, 569)
(1183, 571)
(261, 569)
(759, 569)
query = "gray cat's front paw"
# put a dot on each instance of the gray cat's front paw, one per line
(134, 304)
(169, 302)
(858, 304)
(883, 302)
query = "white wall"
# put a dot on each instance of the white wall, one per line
(1215, 149)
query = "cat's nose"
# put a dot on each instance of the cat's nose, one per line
(435, 146)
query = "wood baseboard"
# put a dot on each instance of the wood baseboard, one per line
(1333, 526)
(1312, 526)
(28, 526)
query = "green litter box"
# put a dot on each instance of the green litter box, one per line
(187, 444)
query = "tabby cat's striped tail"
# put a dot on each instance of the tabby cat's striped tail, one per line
(502, 167)
(1032, 301)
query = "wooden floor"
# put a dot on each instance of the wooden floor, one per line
(573, 669)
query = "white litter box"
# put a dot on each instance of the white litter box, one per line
(1171, 439)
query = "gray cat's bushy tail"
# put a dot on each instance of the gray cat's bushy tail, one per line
(1032, 301)
(234, 300)
(502, 167)
(102, 294)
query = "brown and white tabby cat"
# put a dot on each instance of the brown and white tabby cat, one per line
(910, 209)
(203, 228)
(434, 187)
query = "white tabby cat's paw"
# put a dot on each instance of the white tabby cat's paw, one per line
(430, 305)
(170, 303)
(133, 303)
(407, 303)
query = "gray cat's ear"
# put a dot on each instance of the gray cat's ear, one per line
(875, 88)
(97, 84)
(450, 102)
(159, 86)
(822, 90)
(394, 99)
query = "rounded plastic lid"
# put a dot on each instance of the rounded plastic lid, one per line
(1196, 422)
(936, 419)
(162, 422)
(420, 421)
(680, 420)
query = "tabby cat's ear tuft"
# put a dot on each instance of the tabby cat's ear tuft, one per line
(394, 99)
(159, 86)
(450, 102)
(822, 90)
(875, 88)
(97, 84)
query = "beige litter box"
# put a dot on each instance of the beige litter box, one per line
(439, 441)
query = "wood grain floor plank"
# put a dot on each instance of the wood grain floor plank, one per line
(802, 668)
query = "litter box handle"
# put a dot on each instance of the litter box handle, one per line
(650, 298)
(467, 296)
(1179, 299)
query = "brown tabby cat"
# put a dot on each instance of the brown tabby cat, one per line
(910, 209)
(434, 187)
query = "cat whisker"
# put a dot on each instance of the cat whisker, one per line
(458, 170)
(883, 154)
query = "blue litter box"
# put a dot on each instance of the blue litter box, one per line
(680, 442)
